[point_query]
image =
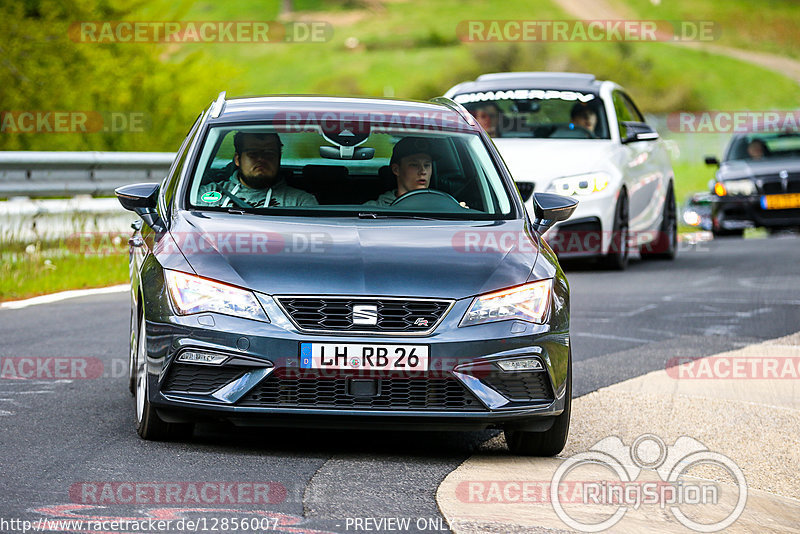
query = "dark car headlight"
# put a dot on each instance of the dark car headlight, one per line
(529, 302)
(192, 294)
(735, 188)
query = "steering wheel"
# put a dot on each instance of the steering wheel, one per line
(419, 194)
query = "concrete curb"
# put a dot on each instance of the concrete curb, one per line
(741, 405)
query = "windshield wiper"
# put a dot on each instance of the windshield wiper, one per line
(371, 215)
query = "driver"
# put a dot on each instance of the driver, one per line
(583, 116)
(412, 165)
(255, 178)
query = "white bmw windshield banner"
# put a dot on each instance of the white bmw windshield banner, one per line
(524, 94)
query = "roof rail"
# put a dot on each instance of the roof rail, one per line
(216, 107)
(577, 76)
(458, 108)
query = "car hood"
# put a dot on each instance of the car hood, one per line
(343, 256)
(542, 160)
(744, 168)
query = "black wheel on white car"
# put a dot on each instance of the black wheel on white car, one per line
(551, 441)
(665, 245)
(149, 425)
(618, 250)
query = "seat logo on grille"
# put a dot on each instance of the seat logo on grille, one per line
(421, 322)
(365, 314)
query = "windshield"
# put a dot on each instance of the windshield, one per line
(371, 171)
(761, 146)
(538, 113)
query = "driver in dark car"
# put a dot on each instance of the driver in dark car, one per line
(412, 165)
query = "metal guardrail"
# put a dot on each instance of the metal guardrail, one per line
(41, 174)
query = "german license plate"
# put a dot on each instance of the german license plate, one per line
(362, 356)
(780, 202)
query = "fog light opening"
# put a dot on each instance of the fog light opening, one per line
(203, 358)
(522, 364)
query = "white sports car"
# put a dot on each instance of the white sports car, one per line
(571, 134)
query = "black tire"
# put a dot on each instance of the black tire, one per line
(549, 442)
(149, 425)
(132, 352)
(665, 246)
(618, 251)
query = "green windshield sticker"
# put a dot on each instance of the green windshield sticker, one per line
(210, 196)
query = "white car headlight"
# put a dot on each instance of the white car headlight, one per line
(580, 184)
(740, 187)
(528, 302)
(192, 294)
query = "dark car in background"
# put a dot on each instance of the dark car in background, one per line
(696, 211)
(441, 308)
(757, 184)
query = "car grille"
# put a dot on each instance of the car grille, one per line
(199, 379)
(314, 391)
(520, 386)
(771, 184)
(335, 314)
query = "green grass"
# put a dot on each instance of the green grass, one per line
(691, 178)
(50, 267)
(410, 49)
(763, 25)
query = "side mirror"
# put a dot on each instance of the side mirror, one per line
(525, 190)
(142, 199)
(550, 208)
(712, 160)
(638, 131)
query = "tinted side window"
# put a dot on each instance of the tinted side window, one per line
(632, 109)
(626, 111)
(170, 183)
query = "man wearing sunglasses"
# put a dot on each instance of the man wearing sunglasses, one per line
(255, 180)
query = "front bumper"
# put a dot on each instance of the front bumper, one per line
(739, 212)
(261, 383)
(587, 233)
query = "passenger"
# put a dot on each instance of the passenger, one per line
(487, 114)
(255, 178)
(757, 149)
(584, 117)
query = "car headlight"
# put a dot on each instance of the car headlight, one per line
(735, 187)
(580, 184)
(528, 302)
(192, 294)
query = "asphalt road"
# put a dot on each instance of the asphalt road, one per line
(60, 437)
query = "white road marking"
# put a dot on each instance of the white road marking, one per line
(5, 412)
(63, 295)
(609, 336)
